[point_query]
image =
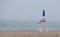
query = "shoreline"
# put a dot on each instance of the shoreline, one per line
(29, 33)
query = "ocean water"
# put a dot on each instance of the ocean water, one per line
(27, 25)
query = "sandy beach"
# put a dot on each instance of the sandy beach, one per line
(29, 34)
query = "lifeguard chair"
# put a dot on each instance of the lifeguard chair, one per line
(42, 23)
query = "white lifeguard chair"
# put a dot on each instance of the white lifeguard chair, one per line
(42, 23)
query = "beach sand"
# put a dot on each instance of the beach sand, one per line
(29, 34)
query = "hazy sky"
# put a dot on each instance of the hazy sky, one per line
(29, 9)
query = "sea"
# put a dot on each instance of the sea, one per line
(28, 25)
